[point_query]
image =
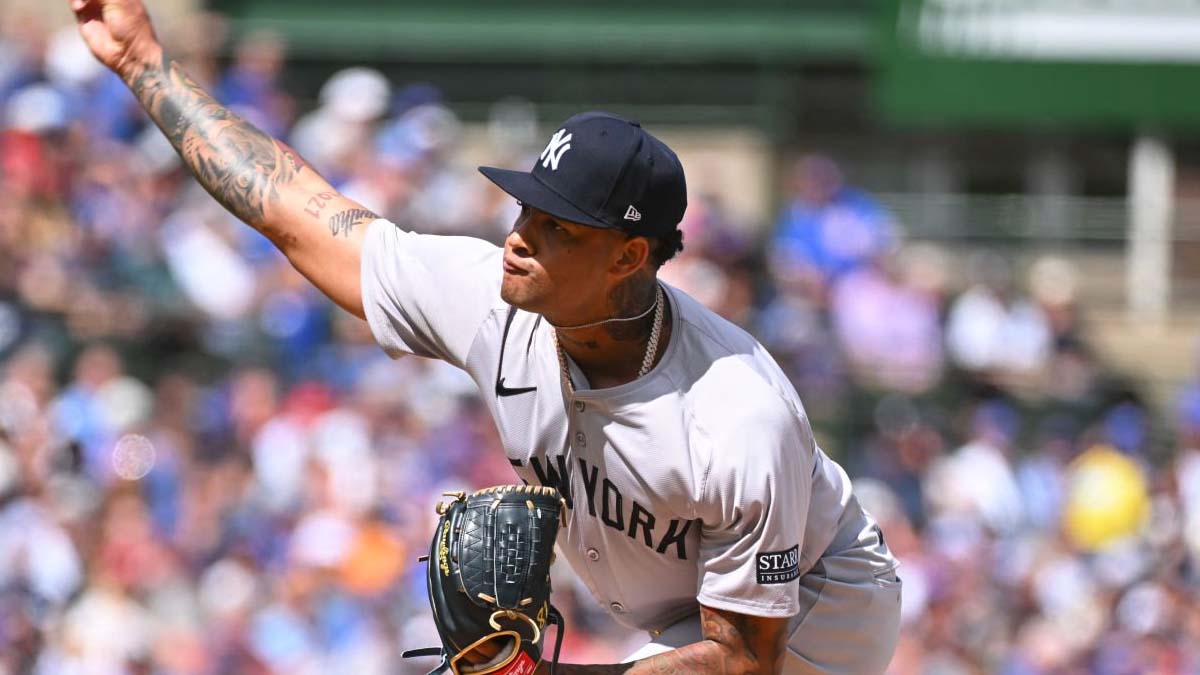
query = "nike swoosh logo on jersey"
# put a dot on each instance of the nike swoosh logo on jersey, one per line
(502, 390)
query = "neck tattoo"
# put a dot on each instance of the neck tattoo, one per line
(604, 321)
(647, 359)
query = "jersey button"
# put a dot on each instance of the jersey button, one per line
(579, 406)
(617, 607)
(593, 554)
(580, 438)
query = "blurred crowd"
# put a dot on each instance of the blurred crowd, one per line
(206, 468)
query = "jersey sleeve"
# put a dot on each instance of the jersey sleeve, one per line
(757, 495)
(427, 295)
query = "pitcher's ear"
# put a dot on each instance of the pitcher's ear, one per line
(631, 256)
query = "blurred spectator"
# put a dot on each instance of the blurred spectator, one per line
(888, 328)
(1187, 413)
(334, 136)
(976, 483)
(828, 228)
(251, 85)
(992, 329)
(711, 266)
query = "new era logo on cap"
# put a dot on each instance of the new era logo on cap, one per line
(613, 164)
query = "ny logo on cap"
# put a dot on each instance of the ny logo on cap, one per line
(555, 149)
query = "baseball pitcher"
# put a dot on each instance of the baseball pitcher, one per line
(698, 507)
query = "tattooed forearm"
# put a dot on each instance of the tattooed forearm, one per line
(317, 203)
(751, 644)
(573, 669)
(701, 658)
(242, 167)
(734, 644)
(344, 222)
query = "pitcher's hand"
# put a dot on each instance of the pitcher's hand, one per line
(118, 32)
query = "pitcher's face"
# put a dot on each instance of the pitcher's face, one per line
(559, 269)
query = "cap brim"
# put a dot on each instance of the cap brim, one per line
(527, 189)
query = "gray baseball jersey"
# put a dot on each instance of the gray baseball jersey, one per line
(698, 482)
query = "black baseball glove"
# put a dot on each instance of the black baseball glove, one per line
(489, 580)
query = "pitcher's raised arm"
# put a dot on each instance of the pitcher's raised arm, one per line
(256, 177)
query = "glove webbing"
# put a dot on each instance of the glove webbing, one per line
(555, 617)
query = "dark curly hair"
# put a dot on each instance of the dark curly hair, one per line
(664, 248)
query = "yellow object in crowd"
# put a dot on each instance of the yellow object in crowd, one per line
(1107, 498)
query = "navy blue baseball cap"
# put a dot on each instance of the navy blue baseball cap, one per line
(602, 170)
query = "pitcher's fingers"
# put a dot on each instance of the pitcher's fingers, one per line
(87, 10)
(93, 33)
